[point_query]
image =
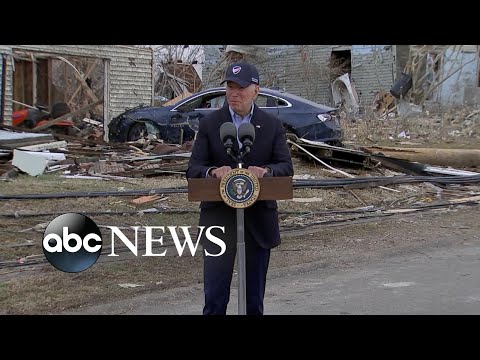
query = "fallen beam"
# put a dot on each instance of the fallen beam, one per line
(446, 157)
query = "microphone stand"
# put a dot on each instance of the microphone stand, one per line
(241, 258)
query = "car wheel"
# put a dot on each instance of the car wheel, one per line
(137, 131)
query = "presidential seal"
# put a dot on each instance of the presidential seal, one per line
(239, 188)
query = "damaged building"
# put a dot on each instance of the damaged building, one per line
(97, 81)
(440, 74)
(309, 70)
(102, 81)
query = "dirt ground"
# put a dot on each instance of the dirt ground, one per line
(316, 225)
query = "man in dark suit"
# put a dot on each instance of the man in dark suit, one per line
(269, 156)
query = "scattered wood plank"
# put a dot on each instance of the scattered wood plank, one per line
(44, 146)
(13, 140)
(149, 199)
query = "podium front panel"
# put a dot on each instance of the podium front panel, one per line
(271, 188)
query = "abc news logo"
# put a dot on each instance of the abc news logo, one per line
(73, 242)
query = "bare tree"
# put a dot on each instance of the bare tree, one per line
(166, 55)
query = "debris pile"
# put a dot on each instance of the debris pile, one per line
(87, 155)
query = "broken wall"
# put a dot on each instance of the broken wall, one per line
(128, 74)
(444, 75)
(304, 70)
(373, 68)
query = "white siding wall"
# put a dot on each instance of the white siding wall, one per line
(7, 105)
(130, 77)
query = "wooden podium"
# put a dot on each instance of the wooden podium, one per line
(210, 189)
(271, 188)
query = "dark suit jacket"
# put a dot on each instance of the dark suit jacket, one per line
(269, 149)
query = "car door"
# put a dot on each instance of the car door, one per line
(186, 116)
(205, 105)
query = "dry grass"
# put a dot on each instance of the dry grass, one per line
(448, 128)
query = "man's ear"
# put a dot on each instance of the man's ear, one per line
(257, 91)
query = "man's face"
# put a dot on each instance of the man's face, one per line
(240, 99)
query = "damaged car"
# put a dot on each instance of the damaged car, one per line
(179, 122)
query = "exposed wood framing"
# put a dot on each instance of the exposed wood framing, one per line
(87, 74)
(63, 117)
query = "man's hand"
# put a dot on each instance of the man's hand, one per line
(219, 172)
(258, 171)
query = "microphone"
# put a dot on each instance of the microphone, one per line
(246, 135)
(228, 134)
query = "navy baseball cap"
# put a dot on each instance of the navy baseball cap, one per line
(242, 74)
